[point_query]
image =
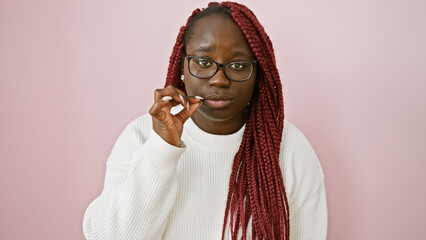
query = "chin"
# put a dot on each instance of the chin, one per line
(217, 115)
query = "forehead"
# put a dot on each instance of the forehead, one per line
(218, 34)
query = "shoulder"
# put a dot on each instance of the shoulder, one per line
(133, 135)
(301, 168)
(141, 124)
(139, 127)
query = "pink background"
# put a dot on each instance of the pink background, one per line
(75, 73)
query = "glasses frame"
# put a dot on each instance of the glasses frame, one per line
(222, 65)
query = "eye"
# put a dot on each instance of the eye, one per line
(203, 62)
(239, 66)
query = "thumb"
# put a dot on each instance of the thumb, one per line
(184, 114)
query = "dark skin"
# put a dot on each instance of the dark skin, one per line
(217, 38)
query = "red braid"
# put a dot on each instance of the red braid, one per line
(256, 186)
(175, 62)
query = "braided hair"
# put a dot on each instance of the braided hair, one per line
(256, 186)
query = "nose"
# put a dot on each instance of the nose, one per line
(220, 79)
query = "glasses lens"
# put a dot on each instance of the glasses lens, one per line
(201, 67)
(205, 68)
(239, 71)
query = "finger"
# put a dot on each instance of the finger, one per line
(156, 111)
(184, 114)
(161, 92)
(184, 98)
(161, 106)
(166, 101)
(195, 99)
(177, 95)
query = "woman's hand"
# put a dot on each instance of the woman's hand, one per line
(166, 125)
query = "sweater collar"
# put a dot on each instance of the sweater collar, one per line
(194, 133)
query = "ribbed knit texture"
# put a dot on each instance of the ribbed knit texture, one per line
(154, 190)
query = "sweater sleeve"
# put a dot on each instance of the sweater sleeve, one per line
(305, 189)
(139, 191)
(309, 221)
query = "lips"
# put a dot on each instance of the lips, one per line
(217, 101)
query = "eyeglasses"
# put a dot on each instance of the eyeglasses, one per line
(204, 68)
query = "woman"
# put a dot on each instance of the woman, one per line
(225, 164)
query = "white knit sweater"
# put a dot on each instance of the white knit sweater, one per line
(154, 190)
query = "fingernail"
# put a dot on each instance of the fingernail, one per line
(165, 98)
(181, 98)
(198, 97)
(187, 106)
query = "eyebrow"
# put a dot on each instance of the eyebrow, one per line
(205, 49)
(236, 53)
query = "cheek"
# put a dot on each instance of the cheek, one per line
(249, 90)
(191, 85)
(187, 79)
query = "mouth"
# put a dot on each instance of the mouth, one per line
(217, 101)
